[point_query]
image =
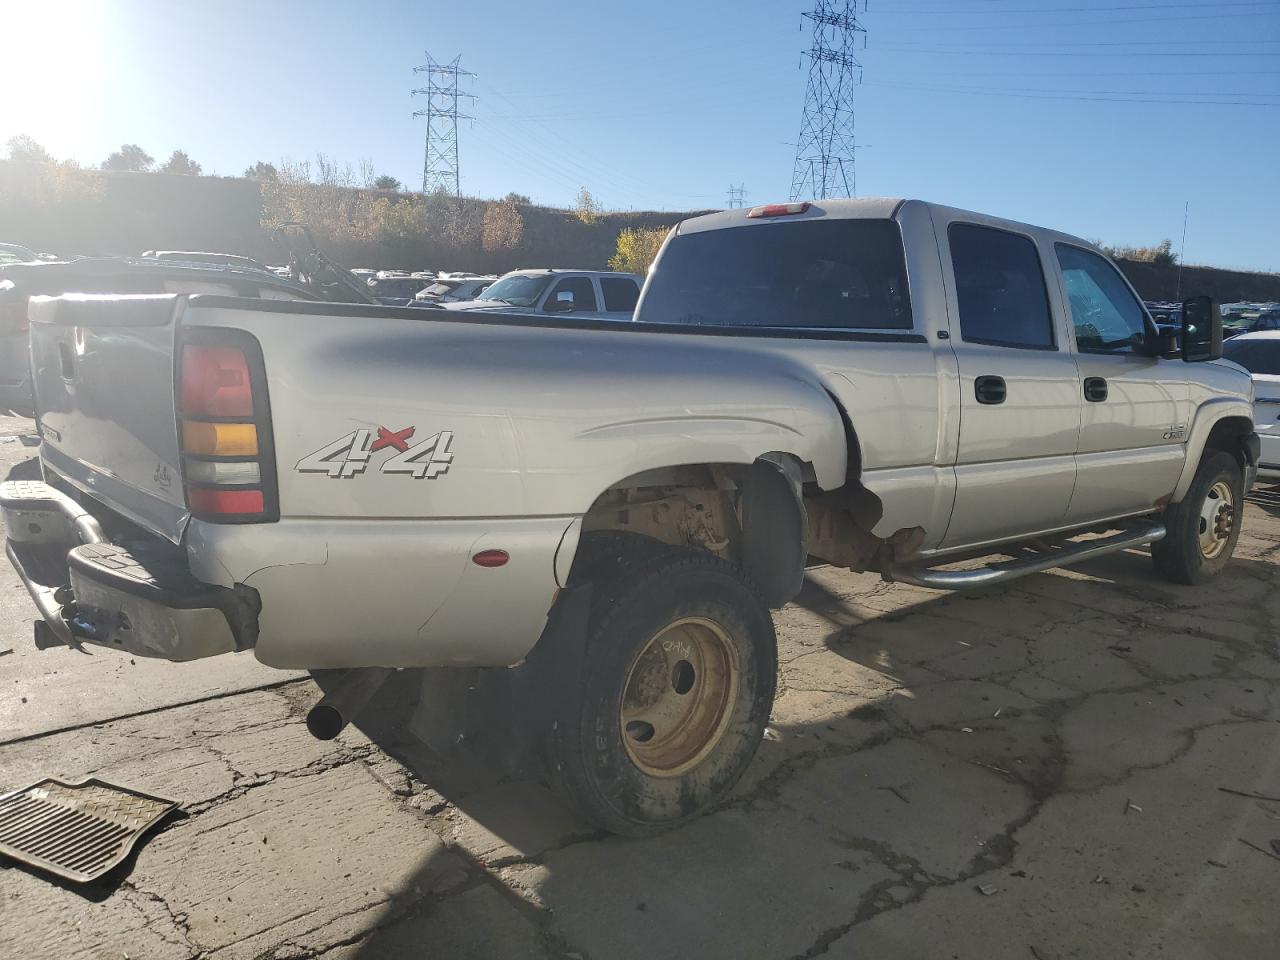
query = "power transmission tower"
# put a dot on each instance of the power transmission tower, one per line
(440, 153)
(737, 196)
(824, 151)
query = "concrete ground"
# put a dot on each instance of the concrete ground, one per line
(1077, 765)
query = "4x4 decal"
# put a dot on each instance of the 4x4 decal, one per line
(349, 455)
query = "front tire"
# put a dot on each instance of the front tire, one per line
(1204, 526)
(675, 688)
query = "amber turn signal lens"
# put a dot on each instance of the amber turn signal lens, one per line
(220, 439)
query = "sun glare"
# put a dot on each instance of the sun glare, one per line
(50, 70)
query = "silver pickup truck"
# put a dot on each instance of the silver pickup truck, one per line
(614, 506)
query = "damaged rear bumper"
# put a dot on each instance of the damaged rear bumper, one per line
(137, 597)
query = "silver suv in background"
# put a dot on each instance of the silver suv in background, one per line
(584, 293)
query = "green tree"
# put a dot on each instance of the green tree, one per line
(637, 249)
(23, 149)
(129, 157)
(265, 172)
(586, 208)
(180, 164)
(386, 182)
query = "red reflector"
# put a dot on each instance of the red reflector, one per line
(215, 382)
(207, 500)
(491, 558)
(778, 209)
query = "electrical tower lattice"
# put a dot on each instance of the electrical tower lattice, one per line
(737, 196)
(440, 153)
(825, 149)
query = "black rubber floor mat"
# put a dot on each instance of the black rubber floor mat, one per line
(78, 831)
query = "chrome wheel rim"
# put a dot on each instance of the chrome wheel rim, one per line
(679, 697)
(1217, 517)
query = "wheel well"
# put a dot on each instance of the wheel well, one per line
(1227, 434)
(749, 514)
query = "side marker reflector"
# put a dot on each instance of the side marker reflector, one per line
(491, 558)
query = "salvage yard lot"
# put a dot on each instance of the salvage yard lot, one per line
(1029, 772)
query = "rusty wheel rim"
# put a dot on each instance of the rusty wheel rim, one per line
(1217, 515)
(679, 697)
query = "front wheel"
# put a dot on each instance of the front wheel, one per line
(675, 688)
(1203, 527)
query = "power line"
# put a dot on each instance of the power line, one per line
(967, 11)
(440, 149)
(1038, 25)
(983, 47)
(977, 91)
(824, 164)
(737, 196)
(572, 153)
(1130, 54)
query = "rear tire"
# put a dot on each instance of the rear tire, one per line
(1204, 526)
(675, 688)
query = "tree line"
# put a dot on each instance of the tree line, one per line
(132, 158)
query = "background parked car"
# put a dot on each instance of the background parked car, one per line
(583, 293)
(1268, 319)
(16, 253)
(201, 256)
(1259, 353)
(396, 289)
(453, 288)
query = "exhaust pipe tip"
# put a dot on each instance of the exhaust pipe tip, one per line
(325, 722)
(347, 696)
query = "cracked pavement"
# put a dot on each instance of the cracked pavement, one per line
(1029, 772)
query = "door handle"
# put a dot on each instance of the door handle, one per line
(1095, 389)
(990, 389)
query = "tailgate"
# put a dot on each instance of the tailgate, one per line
(104, 391)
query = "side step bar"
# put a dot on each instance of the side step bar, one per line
(1007, 570)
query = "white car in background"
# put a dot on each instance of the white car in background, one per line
(591, 294)
(16, 253)
(450, 289)
(1259, 353)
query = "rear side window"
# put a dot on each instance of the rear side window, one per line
(1000, 287)
(835, 274)
(620, 293)
(1256, 356)
(584, 294)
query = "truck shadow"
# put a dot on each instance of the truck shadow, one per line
(904, 719)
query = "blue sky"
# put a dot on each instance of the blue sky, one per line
(1022, 108)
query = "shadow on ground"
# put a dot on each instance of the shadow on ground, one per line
(915, 738)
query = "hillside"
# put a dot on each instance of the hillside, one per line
(66, 210)
(1226, 286)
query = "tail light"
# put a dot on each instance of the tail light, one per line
(224, 426)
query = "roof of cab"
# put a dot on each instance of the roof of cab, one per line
(870, 208)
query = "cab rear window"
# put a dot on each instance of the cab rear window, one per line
(831, 274)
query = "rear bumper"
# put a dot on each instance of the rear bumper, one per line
(139, 599)
(390, 592)
(305, 593)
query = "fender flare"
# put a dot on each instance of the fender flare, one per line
(1209, 415)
